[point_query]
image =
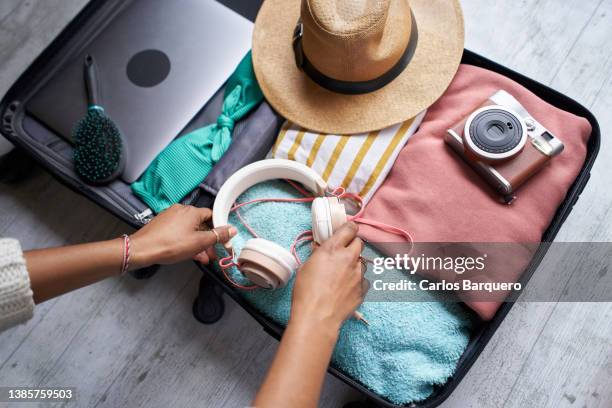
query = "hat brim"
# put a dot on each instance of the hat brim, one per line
(295, 96)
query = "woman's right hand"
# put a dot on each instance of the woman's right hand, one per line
(179, 233)
(330, 284)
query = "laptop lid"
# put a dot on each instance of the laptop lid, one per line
(158, 64)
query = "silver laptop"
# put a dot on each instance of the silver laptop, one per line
(158, 63)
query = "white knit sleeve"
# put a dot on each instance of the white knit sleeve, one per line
(16, 301)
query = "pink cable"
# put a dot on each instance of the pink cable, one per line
(302, 237)
(307, 198)
(299, 188)
(228, 261)
(246, 225)
(225, 264)
(385, 227)
(276, 200)
(340, 192)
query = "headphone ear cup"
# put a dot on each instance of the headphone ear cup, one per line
(328, 214)
(321, 220)
(338, 214)
(266, 264)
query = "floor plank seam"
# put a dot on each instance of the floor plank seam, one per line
(27, 335)
(604, 85)
(72, 339)
(10, 13)
(146, 336)
(527, 358)
(571, 48)
(542, 328)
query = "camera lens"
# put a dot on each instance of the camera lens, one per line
(495, 133)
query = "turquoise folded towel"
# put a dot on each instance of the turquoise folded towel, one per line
(407, 349)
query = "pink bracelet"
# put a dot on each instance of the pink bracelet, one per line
(126, 254)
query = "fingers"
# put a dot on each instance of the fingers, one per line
(219, 235)
(225, 233)
(355, 247)
(202, 257)
(365, 286)
(345, 234)
(206, 256)
(364, 266)
(203, 214)
(212, 255)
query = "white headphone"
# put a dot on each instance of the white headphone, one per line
(264, 262)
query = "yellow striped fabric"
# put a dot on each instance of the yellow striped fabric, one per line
(359, 163)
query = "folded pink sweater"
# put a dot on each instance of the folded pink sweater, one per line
(433, 194)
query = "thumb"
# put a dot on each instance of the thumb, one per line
(219, 235)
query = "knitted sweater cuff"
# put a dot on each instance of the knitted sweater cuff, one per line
(16, 298)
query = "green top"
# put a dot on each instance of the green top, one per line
(182, 166)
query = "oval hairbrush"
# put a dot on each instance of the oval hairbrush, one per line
(99, 151)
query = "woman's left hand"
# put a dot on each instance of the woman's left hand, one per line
(181, 232)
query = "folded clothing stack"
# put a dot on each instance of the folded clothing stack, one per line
(407, 349)
(433, 194)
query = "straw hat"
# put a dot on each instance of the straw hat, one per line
(363, 64)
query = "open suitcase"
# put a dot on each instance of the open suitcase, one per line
(54, 154)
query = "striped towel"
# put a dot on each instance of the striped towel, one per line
(359, 163)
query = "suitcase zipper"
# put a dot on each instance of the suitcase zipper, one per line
(144, 217)
(60, 164)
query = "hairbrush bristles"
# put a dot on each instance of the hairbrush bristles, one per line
(98, 152)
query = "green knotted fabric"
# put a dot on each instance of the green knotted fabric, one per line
(180, 167)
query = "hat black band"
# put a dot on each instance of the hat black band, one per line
(353, 87)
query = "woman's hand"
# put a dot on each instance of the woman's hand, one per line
(177, 234)
(328, 288)
(330, 285)
(180, 232)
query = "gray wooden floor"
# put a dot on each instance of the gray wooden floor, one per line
(129, 343)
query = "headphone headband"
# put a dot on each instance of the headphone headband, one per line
(258, 172)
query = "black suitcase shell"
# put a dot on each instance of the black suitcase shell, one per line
(53, 153)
